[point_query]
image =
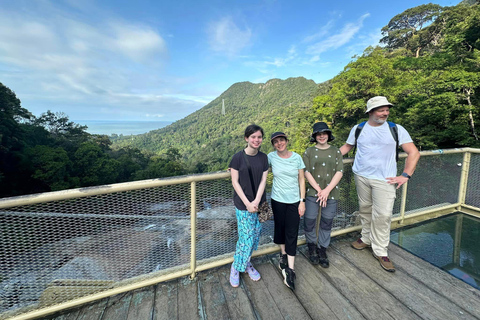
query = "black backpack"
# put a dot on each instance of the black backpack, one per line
(393, 129)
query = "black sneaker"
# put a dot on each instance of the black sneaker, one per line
(322, 257)
(312, 253)
(283, 261)
(289, 277)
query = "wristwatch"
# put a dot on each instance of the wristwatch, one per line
(303, 200)
(406, 175)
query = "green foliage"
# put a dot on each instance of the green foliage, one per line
(51, 166)
(52, 153)
(435, 95)
(402, 30)
(207, 139)
(429, 70)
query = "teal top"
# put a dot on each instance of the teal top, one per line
(285, 186)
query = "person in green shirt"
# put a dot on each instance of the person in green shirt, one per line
(323, 170)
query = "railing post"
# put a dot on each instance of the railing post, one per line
(193, 228)
(462, 190)
(457, 244)
(404, 202)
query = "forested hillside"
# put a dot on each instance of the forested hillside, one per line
(429, 69)
(208, 138)
(428, 66)
(48, 153)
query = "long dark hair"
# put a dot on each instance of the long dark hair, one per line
(251, 129)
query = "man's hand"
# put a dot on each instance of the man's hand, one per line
(400, 180)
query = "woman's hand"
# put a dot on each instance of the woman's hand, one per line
(301, 209)
(323, 197)
(252, 207)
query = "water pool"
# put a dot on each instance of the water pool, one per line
(451, 243)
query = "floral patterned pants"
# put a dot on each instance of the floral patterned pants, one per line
(249, 229)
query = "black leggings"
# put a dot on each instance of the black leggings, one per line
(287, 220)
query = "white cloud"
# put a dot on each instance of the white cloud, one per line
(51, 58)
(227, 38)
(337, 40)
(139, 43)
(281, 62)
(320, 34)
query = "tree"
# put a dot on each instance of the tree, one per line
(131, 161)
(369, 75)
(51, 167)
(93, 166)
(59, 124)
(401, 31)
(12, 140)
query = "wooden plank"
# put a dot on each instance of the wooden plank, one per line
(284, 297)
(423, 301)
(117, 306)
(141, 304)
(166, 301)
(459, 292)
(262, 300)
(214, 302)
(188, 307)
(238, 302)
(318, 296)
(93, 311)
(370, 299)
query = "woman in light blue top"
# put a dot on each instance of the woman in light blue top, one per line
(288, 202)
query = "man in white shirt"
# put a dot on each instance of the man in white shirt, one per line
(375, 169)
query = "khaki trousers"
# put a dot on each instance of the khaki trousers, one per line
(375, 199)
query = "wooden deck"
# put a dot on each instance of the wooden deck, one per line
(354, 287)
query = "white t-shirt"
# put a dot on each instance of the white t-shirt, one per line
(375, 157)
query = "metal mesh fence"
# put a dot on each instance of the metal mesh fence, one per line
(473, 187)
(435, 183)
(61, 250)
(89, 244)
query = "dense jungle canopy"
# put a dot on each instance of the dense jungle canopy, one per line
(427, 65)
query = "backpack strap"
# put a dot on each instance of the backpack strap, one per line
(394, 130)
(358, 130)
(357, 133)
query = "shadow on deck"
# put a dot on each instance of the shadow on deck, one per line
(354, 287)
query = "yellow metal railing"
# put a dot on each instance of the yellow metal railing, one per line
(171, 188)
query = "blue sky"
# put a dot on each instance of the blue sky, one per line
(162, 60)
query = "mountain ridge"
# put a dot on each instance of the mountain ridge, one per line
(206, 138)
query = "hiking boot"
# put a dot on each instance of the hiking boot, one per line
(234, 277)
(312, 253)
(385, 263)
(283, 261)
(322, 257)
(252, 272)
(359, 244)
(289, 277)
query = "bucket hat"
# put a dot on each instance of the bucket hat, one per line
(376, 102)
(276, 135)
(321, 127)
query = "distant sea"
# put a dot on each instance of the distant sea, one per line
(121, 127)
